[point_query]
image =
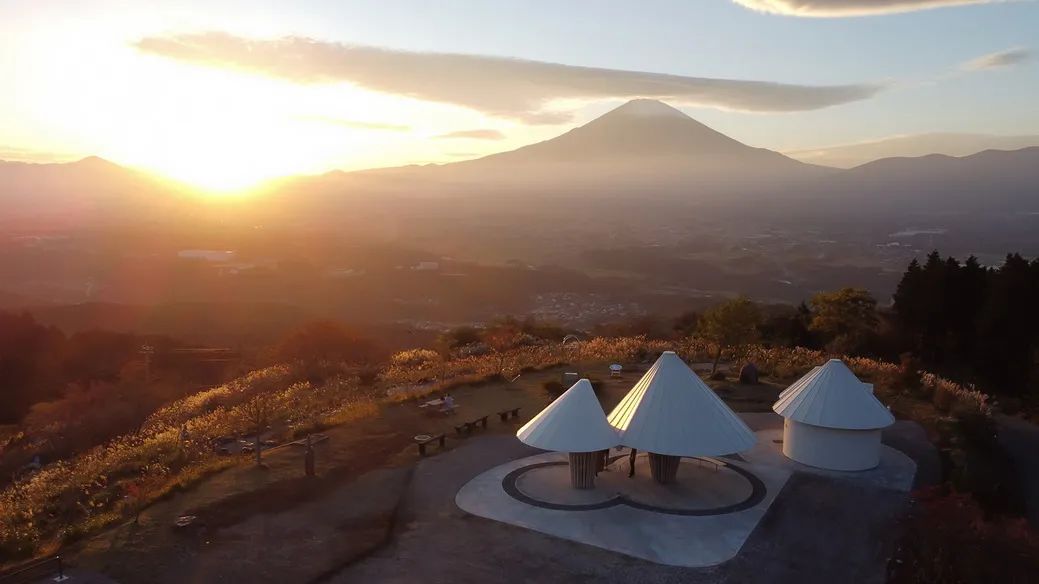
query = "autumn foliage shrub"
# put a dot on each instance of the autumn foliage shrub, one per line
(553, 388)
(74, 496)
(71, 497)
(949, 539)
(415, 358)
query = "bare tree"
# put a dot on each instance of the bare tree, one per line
(443, 347)
(259, 412)
(501, 338)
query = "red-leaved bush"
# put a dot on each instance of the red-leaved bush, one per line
(948, 539)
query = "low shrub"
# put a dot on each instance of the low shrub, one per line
(415, 358)
(985, 470)
(598, 385)
(943, 399)
(368, 375)
(949, 539)
(553, 388)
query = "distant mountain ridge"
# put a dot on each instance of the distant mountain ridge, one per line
(88, 191)
(911, 146)
(642, 143)
(642, 149)
(992, 180)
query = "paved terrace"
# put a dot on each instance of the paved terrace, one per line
(821, 527)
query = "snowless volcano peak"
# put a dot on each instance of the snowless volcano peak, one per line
(649, 108)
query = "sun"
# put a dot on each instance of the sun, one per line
(219, 131)
(227, 131)
(226, 162)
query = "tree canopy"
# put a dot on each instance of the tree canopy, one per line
(971, 321)
(845, 316)
(325, 341)
(732, 323)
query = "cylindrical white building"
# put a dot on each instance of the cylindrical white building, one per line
(832, 420)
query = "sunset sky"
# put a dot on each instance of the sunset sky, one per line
(227, 93)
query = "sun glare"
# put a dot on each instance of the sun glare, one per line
(220, 131)
(237, 133)
(226, 132)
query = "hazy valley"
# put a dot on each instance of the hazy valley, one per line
(642, 211)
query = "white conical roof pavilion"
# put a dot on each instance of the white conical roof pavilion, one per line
(672, 411)
(795, 385)
(832, 397)
(574, 422)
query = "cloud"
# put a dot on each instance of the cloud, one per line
(498, 86)
(839, 8)
(356, 124)
(18, 154)
(998, 60)
(474, 134)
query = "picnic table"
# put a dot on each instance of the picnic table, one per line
(440, 405)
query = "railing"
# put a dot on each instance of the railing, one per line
(35, 570)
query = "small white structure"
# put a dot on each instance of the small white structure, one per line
(573, 423)
(209, 255)
(832, 420)
(671, 413)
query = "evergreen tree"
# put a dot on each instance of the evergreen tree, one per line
(1006, 327)
(969, 298)
(909, 298)
(972, 322)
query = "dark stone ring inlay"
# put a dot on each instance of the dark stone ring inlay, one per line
(757, 494)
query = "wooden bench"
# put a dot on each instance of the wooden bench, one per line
(440, 438)
(506, 414)
(468, 427)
